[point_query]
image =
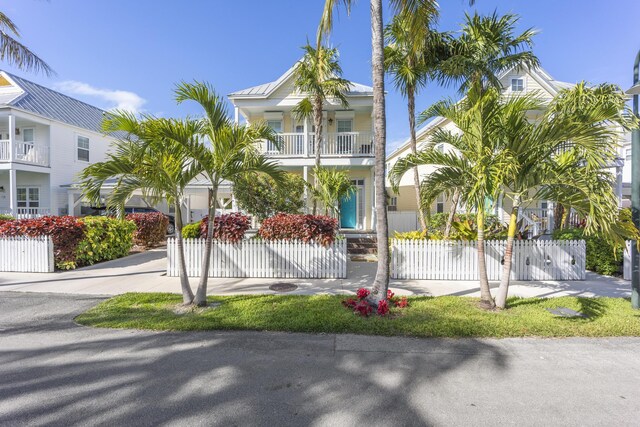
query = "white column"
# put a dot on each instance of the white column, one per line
(373, 200)
(236, 115)
(71, 201)
(619, 185)
(305, 175)
(13, 193)
(12, 137)
(234, 203)
(306, 142)
(187, 201)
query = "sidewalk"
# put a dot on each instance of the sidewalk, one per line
(146, 272)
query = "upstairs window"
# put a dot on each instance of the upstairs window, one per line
(393, 204)
(83, 149)
(440, 204)
(517, 85)
(628, 153)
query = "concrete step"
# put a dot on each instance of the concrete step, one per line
(362, 251)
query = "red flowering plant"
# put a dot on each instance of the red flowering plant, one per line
(361, 307)
(226, 228)
(306, 228)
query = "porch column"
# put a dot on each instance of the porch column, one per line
(13, 193)
(187, 202)
(236, 115)
(306, 142)
(373, 200)
(305, 176)
(551, 206)
(619, 182)
(12, 137)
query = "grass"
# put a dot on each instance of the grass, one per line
(425, 317)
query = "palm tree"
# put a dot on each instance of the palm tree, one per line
(148, 157)
(562, 156)
(318, 76)
(332, 186)
(411, 58)
(15, 53)
(417, 10)
(475, 167)
(229, 152)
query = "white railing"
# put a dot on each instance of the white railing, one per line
(26, 213)
(257, 258)
(536, 221)
(25, 152)
(340, 144)
(26, 254)
(458, 260)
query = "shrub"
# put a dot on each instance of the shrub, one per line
(361, 307)
(105, 238)
(191, 231)
(5, 217)
(227, 228)
(66, 232)
(307, 228)
(262, 197)
(151, 228)
(463, 228)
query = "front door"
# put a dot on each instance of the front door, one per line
(349, 212)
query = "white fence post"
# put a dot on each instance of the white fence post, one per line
(626, 265)
(458, 260)
(23, 254)
(256, 258)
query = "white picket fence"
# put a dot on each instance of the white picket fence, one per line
(458, 260)
(402, 221)
(26, 254)
(257, 258)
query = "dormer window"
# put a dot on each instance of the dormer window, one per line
(517, 85)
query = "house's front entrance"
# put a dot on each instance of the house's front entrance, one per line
(352, 209)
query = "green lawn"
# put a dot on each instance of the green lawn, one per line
(425, 317)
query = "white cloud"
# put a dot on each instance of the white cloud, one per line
(120, 99)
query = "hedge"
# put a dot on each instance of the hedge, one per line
(227, 228)
(105, 239)
(66, 232)
(191, 231)
(307, 228)
(151, 228)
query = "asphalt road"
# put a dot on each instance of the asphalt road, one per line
(54, 372)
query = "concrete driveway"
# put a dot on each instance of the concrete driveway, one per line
(54, 372)
(145, 272)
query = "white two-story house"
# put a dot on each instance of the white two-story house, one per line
(538, 215)
(347, 143)
(46, 138)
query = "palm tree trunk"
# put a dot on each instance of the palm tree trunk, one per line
(317, 121)
(452, 213)
(485, 290)
(201, 293)
(381, 281)
(411, 105)
(187, 293)
(503, 290)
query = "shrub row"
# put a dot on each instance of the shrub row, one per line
(104, 239)
(226, 228)
(150, 228)
(307, 228)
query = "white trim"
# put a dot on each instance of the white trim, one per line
(345, 114)
(274, 115)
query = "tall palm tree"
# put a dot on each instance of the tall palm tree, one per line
(145, 158)
(15, 53)
(411, 58)
(333, 185)
(228, 152)
(318, 76)
(475, 167)
(562, 157)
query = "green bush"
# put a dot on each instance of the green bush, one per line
(5, 217)
(462, 228)
(602, 256)
(191, 231)
(105, 239)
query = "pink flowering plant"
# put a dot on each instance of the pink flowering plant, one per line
(360, 306)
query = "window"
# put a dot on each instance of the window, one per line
(276, 126)
(344, 125)
(344, 128)
(393, 204)
(440, 204)
(28, 135)
(628, 154)
(28, 197)
(517, 85)
(83, 148)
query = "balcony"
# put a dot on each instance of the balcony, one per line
(32, 153)
(26, 213)
(339, 144)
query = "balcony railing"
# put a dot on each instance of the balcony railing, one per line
(25, 213)
(24, 152)
(339, 144)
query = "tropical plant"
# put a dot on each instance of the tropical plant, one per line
(225, 152)
(318, 76)
(105, 238)
(262, 198)
(149, 156)
(562, 157)
(412, 58)
(333, 185)
(15, 53)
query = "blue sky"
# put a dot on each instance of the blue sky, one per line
(130, 53)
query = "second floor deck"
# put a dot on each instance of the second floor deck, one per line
(33, 153)
(337, 144)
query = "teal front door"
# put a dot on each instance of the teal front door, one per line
(348, 212)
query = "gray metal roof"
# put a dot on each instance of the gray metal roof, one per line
(264, 90)
(54, 105)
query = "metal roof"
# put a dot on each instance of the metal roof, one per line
(54, 105)
(266, 89)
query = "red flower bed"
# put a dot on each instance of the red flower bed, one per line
(307, 228)
(361, 307)
(66, 232)
(226, 228)
(151, 228)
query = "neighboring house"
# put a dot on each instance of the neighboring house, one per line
(538, 215)
(46, 138)
(347, 143)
